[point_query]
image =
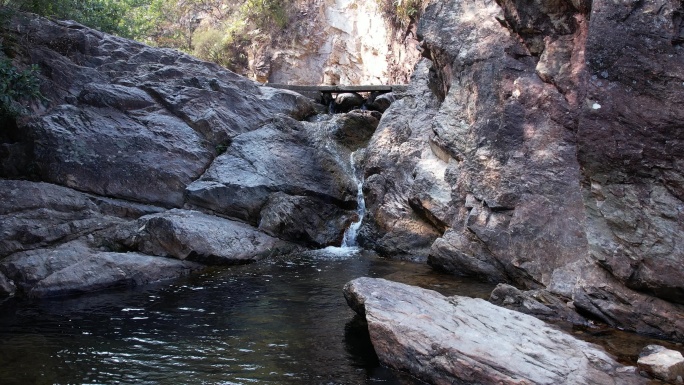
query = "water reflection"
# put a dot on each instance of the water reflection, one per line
(278, 322)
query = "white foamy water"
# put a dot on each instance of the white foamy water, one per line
(350, 235)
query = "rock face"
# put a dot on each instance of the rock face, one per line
(132, 141)
(141, 116)
(338, 42)
(532, 150)
(460, 340)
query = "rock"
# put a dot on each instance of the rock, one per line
(633, 184)
(538, 117)
(283, 156)
(338, 42)
(395, 155)
(348, 101)
(304, 220)
(74, 268)
(7, 287)
(598, 293)
(140, 115)
(36, 214)
(382, 102)
(447, 340)
(354, 129)
(539, 303)
(662, 363)
(194, 236)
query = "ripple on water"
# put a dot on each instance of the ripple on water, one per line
(282, 321)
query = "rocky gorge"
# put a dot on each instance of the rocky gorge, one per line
(538, 146)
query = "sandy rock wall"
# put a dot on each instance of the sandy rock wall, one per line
(339, 42)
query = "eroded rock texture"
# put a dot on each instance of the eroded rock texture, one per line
(103, 184)
(460, 340)
(542, 146)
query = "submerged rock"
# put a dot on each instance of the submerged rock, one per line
(448, 340)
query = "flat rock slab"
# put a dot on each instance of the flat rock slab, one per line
(73, 268)
(35, 215)
(192, 235)
(461, 340)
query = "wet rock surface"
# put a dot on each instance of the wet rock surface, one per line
(447, 340)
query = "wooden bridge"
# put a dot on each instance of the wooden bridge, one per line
(324, 94)
(337, 89)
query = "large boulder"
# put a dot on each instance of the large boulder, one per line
(461, 340)
(304, 220)
(662, 363)
(140, 116)
(194, 236)
(75, 268)
(283, 156)
(396, 154)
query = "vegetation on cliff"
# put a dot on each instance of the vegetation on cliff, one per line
(213, 30)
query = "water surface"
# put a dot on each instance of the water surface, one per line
(283, 321)
(274, 322)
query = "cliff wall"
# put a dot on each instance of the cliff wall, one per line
(541, 145)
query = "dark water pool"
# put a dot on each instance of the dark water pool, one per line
(276, 322)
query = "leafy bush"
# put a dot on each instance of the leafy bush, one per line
(17, 88)
(104, 15)
(401, 12)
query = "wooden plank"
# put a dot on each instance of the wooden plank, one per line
(337, 89)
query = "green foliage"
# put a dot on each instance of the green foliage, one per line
(17, 88)
(266, 14)
(402, 12)
(216, 30)
(105, 15)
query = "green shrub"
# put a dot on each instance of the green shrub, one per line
(104, 15)
(228, 48)
(17, 88)
(401, 12)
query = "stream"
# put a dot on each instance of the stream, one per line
(282, 321)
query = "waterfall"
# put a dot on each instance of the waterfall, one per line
(350, 234)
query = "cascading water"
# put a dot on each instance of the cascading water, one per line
(350, 234)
